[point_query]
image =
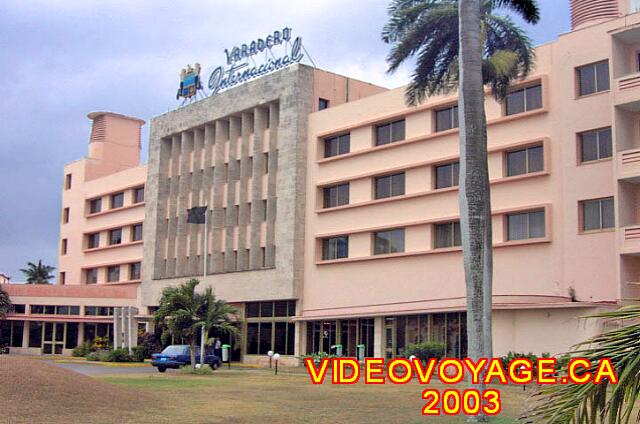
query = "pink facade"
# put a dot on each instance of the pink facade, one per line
(564, 268)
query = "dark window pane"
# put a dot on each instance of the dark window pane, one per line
(397, 184)
(280, 338)
(587, 80)
(252, 338)
(252, 310)
(330, 147)
(535, 159)
(383, 187)
(536, 224)
(443, 235)
(115, 236)
(534, 97)
(389, 241)
(397, 130)
(17, 333)
(266, 309)
(72, 335)
(280, 308)
(443, 120)
(291, 336)
(602, 76)
(344, 144)
(35, 334)
(604, 143)
(515, 102)
(608, 220)
(518, 226)
(443, 176)
(117, 200)
(95, 205)
(589, 146)
(516, 163)
(383, 134)
(265, 338)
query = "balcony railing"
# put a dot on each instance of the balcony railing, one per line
(627, 91)
(628, 164)
(630, 239)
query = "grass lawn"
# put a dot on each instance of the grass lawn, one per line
(257, 396)
(35, 391)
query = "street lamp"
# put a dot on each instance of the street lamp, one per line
(276, 357)
(270, 355)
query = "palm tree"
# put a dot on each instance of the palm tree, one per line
(38, 274)
(184, 313)
(5, 303)
(464, 44)
(590, 403)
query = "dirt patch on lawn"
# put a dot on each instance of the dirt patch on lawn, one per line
(34, 391)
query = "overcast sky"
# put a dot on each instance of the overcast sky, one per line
(61, 59)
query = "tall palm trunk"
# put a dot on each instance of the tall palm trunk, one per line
(192, 351)
(474, 197)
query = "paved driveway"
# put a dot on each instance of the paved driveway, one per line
(95, 369)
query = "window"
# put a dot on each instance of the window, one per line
(98, 310)
(65, 215)
(63, 247)
(447, 175)
(264, 209)
(525, 161)
(595, 145)
(93, 240)
(338, 145)
(263, 257)
(597, 214)
(337, 195)
(236, 214)
(391, 241)
(95, 205)
(447, 118)
(525, 225)
(268, 327)
(524, 100)
(593, 78)
(134, 271)
(91, 275)
(323, 103)
(388, 133)
(18, 308)
(335, 248)
(63, 278)
(35, 334)
(447, 235)
(389, 185)
(136, 232)
(113, 273)
(117, 200)
(266, 163)
(115, 236)
(67, 181)
(138, 195)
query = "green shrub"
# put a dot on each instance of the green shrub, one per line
(139, 354)
(100, 343)
(92, 356)
(506, 359)
(81, 350)
(104, 355)
(426, 350)
(319, 356)
(118, 355)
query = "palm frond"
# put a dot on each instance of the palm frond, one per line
(527, 9)
(590, 403)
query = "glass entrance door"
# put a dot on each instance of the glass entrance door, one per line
(53, 338)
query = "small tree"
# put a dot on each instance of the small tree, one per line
(38, 274)
(5, 303)
(184, 313)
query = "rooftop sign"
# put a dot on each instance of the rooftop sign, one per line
(239, 70)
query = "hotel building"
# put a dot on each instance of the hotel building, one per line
(332, 211)
(100, 247)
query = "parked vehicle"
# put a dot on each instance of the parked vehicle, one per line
(175, 356)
